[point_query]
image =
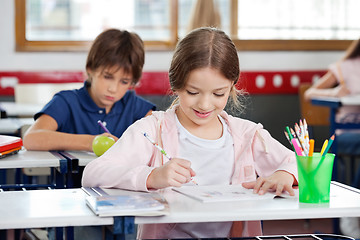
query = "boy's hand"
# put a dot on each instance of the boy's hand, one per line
(174, 173)
(92, 137)
(278, 182)
(110, 135)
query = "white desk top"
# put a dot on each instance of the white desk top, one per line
(83, 156)
(33, 159)
(14, 109)
(67, 207)
(29, 159)
(351, 100)
(46, 208)
(343, 202)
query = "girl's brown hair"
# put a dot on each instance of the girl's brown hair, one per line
(201, 48)
(117, 48)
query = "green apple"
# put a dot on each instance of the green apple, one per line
(101, 144)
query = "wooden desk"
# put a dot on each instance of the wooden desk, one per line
(67, 207)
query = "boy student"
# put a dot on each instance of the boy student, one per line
(70, 120)
(204, 141)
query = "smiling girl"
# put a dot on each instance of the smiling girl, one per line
(206, 143)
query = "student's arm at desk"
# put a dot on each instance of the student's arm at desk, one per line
(42, 135)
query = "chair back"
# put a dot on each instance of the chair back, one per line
(41, 93)
(314, 115)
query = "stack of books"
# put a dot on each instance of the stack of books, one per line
(9, 145)
(119, 202)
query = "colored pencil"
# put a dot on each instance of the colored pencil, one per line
(288, 138)
(157, 146)
(301, 139)
(304, 134)
(311, 148)
(331, 140)
(289, 133)
(297, 147)
(324, 147)
(307, 138)
(163, 151)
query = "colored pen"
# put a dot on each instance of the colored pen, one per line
(331, 140)
(161, 150)
(297, 147)
(157, 146)
(311, 148)
(324, 147)
(103, 126)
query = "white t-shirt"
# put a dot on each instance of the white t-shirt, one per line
(212, 160)
(213, 163)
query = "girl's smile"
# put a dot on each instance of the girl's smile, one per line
(202, 114)
(201, 100)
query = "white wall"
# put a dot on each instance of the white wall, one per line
(10, 60)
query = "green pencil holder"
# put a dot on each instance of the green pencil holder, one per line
(314, 177)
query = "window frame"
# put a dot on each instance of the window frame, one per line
(23, 45)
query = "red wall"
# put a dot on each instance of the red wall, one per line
(156, 83)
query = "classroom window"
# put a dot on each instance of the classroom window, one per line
(71, 25)
(293, 19)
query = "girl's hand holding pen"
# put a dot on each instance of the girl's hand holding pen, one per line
(174, 173)
(278, 182)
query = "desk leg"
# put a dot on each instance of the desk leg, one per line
(336, 226)
(3, 179)
(69, 233)
(122, 226)
(59, 233)
(59, 179)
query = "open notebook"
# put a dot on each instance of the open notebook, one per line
(224, 193)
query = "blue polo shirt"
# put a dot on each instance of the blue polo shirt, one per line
(75, 112)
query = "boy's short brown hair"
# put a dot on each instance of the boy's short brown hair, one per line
(116, 48)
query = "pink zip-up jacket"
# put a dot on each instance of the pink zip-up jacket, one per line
(128, 163)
